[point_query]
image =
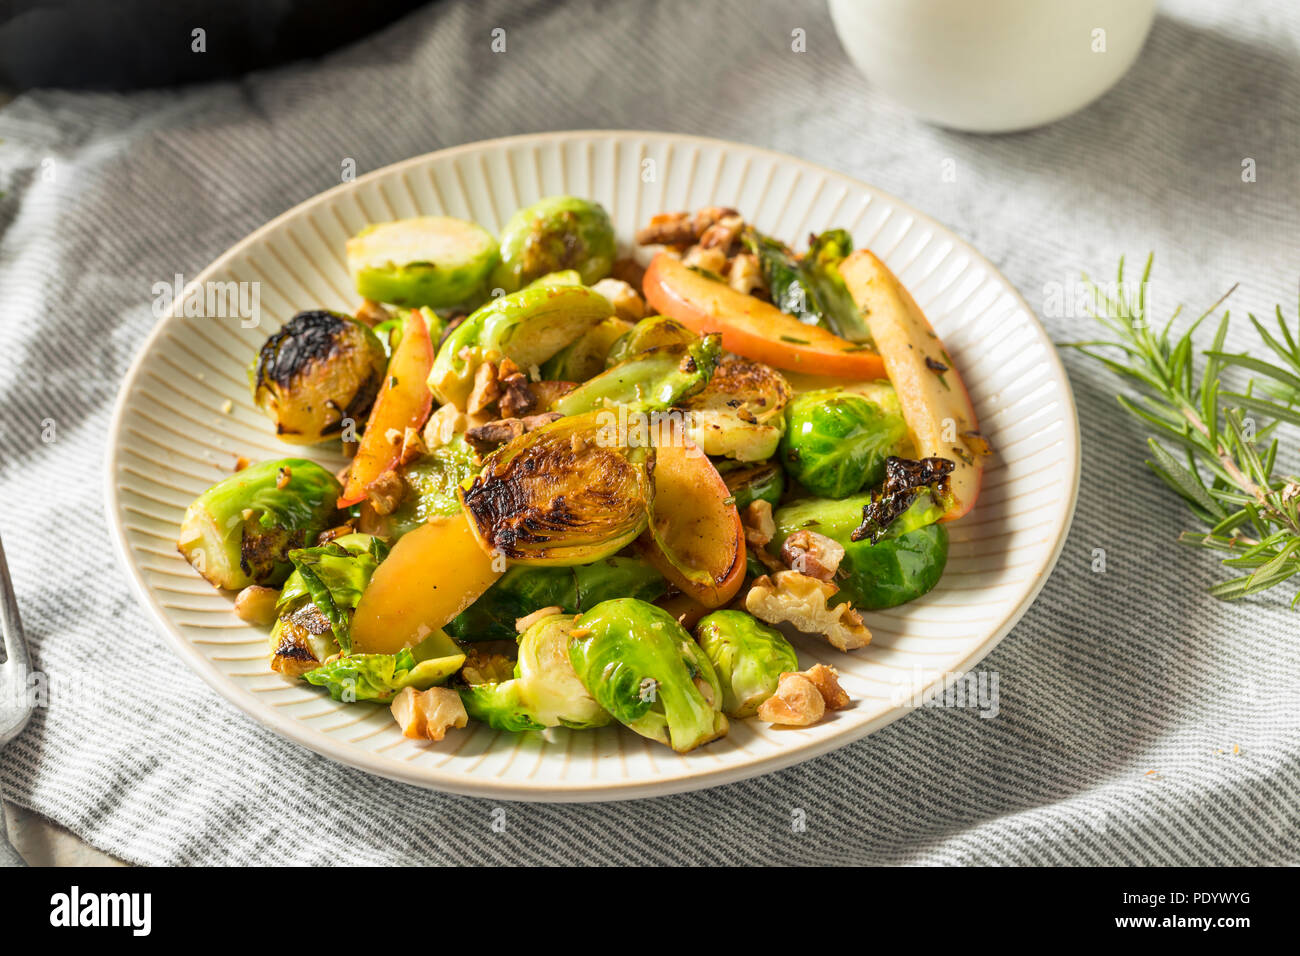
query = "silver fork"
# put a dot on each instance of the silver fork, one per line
(15, 705)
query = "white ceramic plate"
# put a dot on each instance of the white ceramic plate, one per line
(170, 439)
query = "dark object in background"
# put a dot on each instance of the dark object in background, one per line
(126, 44)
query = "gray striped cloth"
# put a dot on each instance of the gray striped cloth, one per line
(1140, 721)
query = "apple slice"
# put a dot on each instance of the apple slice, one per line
(752, 327)
(694, 539)
(431, 575)
(404, 401)
(934, 400)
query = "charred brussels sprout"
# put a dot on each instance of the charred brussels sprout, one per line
(648, 381)
(314, 612)
(528, 327)
(837, 439)
(556, 234)
(317, 371)
(545, 691)
(906, 562)
(748, 656)
(741, 412)
(747, 483)
(523, 590)
(650, 333)
(560, 495)
(240, 531)
(433, 261)
(640, 665)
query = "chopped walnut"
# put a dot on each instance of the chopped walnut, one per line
(801, 600)
(372, 313)
(710, 260)
(757, 522)
(709, 216)
(486, 388)
(723, 233)
(428, 714)
(547, 391)
(490, 436)
(627, 302)
(524, 623)
(796, 703)
(412, 446)
(534, 422)
(386, 492)
(517, 397)
(827, 681)
(443, 425)
(813, 554)
(256, 605)
(743, 273)
(667, 229)
(329, 534)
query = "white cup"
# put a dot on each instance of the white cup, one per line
(993, 66)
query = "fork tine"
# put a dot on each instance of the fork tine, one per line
(14, 664)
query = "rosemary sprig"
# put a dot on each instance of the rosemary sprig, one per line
(1227, 481)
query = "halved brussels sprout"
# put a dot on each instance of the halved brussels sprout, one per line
(748, 656)
(431, 482)
(523, 590)
(433, 261)
(652, 380)
(555, 234)
(528, 327)
(545, 691)
(240, 531)
(379, 677)
(741, 412)
(764, 481)
(653, 332)
(638, 664)
(901, 566)
(562, 494)
(585, 357)
(314, 612)
(320, 369)
(837, 439)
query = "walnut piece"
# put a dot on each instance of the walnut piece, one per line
(486, 388)
(813, 554)
(372, 313)
(710, 260)
(827, 681)
(428, 714)
(627, 302)
(256, 605)
(743, 273)
(667, 229)
(800, 600)
(758, 524)
(796, 703)
(386, 492)
(443, 425)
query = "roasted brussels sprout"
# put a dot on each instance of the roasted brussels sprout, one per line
(638, 664)
(837, 439)
(431, 482)
(317, 371)
(545, 691)
(902, 565)
(558, 233)
(585, 356)
(433, 261)
(240, 531)
(648, 381)
(379, 677)
(523, 590)
(741, 412)
(764, 481)
(560, 495)
(748, 656)
(650, 333)
(810, 287)
(528, 327)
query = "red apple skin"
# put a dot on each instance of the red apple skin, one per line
(752, 327)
